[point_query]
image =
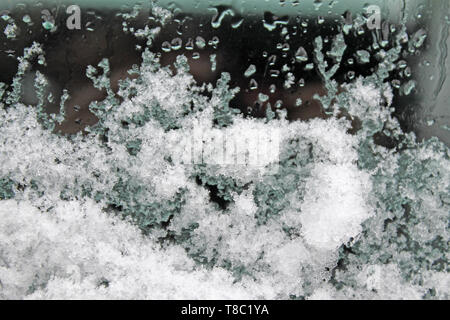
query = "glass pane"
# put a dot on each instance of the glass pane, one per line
(292, 149)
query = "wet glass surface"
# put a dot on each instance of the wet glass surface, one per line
(269, 36)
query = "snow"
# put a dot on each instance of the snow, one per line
(84, 217)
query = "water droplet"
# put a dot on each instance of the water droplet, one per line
(301, 55)
(200, 42)
(176, 44)
(27, 19)
(274, 73)
(236, 23)
(48, 25)
(41, 60)
(220, 13)
(408, 87)
(363, 56)
(212, 59)
(273, 88)
(317, 4)
(351, 75)
(419, 38)
(401, 64)
(348, 18)
(250, 71)
(403, 37)
(166, 47)
(253, 84)
(301, 82)
(320, 20)
(195, 55)
(215, 41)
(278, 104)
(189, 44)
(272, 60)
(407, 72)
(271, 21)
(309, 66)
(298, 102)
(263, 97)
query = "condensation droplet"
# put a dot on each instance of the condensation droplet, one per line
(403, 37)
(200, 42)
(407, 72)
(166, 47)
(215, 41)
(189, 44)
(309, 66)
(408, 87)
(48, 25)
(212, 59)
(272, 88)
(271, 21)
(351, 75)
(274, 73)
(396, 83)
(27, 19)
(236, 24)
(221, 13)
(263, 97)
(317, 4)
(41, 60)
(363, 56)
(272, 60)
(401, 64)
(419, 38)
(301, 55)
(250, 71)
(301, 82)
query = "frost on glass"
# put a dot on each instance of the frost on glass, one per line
(351, 206)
